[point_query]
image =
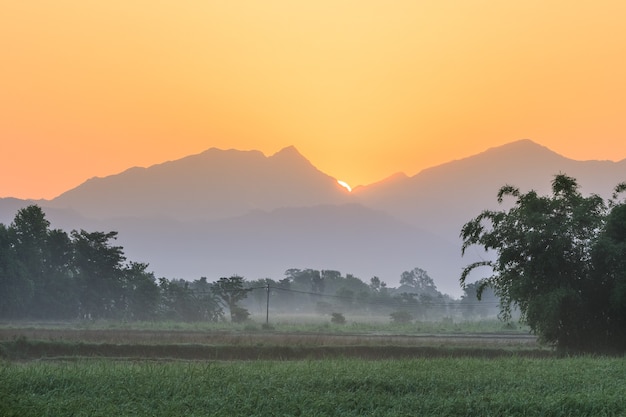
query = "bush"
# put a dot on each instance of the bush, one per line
(401, 317)
(338, 318)
(239, 314)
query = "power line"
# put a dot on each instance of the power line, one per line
(391, 300)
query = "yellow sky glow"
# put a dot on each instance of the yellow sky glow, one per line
(362, 88)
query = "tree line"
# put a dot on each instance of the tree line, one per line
(49, 274)
(328, 292)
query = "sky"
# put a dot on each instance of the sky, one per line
(362, 88)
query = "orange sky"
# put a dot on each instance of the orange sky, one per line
(362, 88)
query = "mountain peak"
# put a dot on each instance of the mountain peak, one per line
(289, 152)
(520, 153)
(291, 149)
(524, 147)
(213, 184)
(291, 158)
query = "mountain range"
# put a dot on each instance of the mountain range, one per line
(225, 212)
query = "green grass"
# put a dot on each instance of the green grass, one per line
(581, 386)
(292, 324)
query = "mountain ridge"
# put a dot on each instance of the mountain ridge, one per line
(212, 184)
(473, 182)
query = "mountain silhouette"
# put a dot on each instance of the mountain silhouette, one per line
(225, 212)
(211, 185)
(443, 198)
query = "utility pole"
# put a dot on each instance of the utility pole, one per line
(267, 307)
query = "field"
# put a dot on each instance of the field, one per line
(338, 387)
(129, 371)
(285, 341)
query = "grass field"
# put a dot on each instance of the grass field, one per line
(292, 323)
(339, 387)
(429, 369)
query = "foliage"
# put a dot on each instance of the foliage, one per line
(401, 317)
(141, 296)
(189, 301)
(337, 318)
(418, 281)
(609, 276)
(239, 314)
(558, 261)
(309, 279)
(99, 271)
(231, 291)
(16, 289)
(47, 274)
(475, 306)
(377, 285)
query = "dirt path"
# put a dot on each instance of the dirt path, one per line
(28, 344)
(269, 338)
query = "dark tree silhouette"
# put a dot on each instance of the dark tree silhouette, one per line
(232, 290)
(557, 260)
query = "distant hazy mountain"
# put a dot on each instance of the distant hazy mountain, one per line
(443, 198)
(349, 238)
(211, 185)
(231, 212)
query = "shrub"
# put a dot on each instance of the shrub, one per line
(338, 318)
(401, 317)
(239, 314)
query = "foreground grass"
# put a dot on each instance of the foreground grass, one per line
(452, 387)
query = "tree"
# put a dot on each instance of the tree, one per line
(306, 279)
(472, 305)
(16, 291)
(419, 281)
(99, 268)
(141, 292)
(231, 291)
(59, 295)
(29, 238)
(377, 285)
(189, 301)
(609, 260)
(41, 262)
(544, 247)
(46, 273)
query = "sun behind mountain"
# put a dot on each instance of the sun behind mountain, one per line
(344, 185)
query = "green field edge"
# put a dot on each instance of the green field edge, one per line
(295, 324)
(22, 349)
